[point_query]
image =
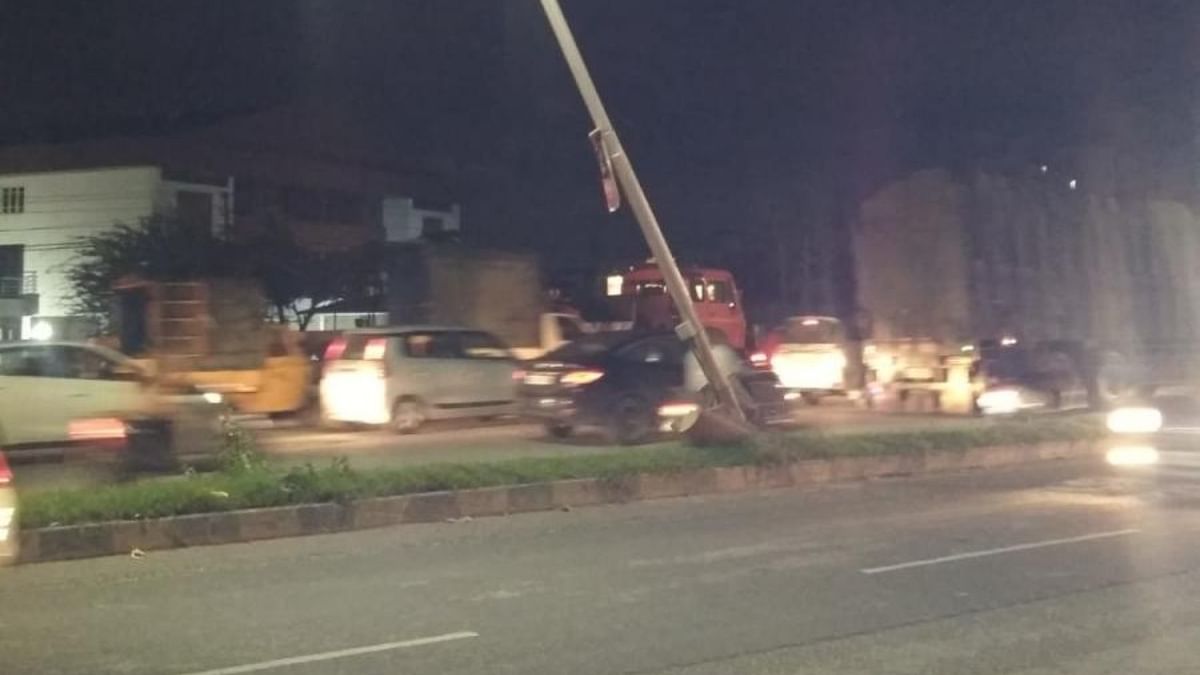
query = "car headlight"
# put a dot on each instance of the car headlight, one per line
(1132, 455)
(1134, 420)
(999, 401)
(213, 397)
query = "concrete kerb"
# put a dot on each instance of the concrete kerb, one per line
(122, 537)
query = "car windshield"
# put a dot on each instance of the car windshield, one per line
(587, 348)
(688, 337)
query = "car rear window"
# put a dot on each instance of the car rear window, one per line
(588, 347)
(431, 345)
(481, 345)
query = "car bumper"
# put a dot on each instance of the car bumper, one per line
(549, 408)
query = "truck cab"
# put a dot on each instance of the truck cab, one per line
(639, 294)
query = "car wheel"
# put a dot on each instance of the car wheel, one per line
(632, 420)
(407, 416)
(558, 429)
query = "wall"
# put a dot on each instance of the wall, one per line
(403, 220)
(62, 206)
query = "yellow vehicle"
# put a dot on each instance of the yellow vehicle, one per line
(213, 334)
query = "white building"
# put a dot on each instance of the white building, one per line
(407, 220)
(43, 215)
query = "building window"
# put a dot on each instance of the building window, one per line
(12, 200)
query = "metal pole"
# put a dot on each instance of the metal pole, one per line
(623, 169)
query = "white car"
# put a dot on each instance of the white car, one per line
(54, 393)
(401, 377)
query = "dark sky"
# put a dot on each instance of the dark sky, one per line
(728, 107)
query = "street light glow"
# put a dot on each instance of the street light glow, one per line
(41, 330)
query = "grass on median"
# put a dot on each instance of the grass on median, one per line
(250, 484)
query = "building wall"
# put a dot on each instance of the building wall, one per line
(406, 220)
(62, 206)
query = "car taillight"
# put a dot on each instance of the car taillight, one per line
(6, 475)
(579, 377)
(335, 349)
(375, 349)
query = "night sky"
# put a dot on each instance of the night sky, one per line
(735, 112)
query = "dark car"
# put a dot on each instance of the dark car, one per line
(633, 385)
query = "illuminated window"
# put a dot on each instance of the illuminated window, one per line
(12, 200)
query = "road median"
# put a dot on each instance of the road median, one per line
(249, 502)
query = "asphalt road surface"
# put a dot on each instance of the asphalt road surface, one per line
(1058, 568)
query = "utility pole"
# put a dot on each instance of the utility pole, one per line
(623, 170)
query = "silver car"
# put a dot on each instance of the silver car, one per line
(404, 376)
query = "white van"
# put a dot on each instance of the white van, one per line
(403, 376)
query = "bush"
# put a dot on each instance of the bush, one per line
(246, 482)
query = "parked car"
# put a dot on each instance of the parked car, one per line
(632, 385)
(403, 376)
(8, 515)
(59, 394)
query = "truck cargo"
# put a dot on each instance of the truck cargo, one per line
(498, 291)
(956, 275)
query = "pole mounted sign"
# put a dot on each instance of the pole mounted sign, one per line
(608, 180)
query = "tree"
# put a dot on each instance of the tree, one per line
(300, 282)
(296, 281)
(158, 249)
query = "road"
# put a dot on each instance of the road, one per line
(1066, 567)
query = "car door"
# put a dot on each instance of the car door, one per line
(487, 369)
(27, 402)
(98, 384)
(654, 366)
(429, 369)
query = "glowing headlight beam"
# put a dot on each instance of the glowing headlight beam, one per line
(1134, 420)
(1132, 455)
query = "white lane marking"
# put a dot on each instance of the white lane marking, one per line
(339, 654)
(998, 551)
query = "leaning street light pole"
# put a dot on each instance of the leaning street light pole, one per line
(610, 146)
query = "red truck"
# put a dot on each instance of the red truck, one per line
(638, 294)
